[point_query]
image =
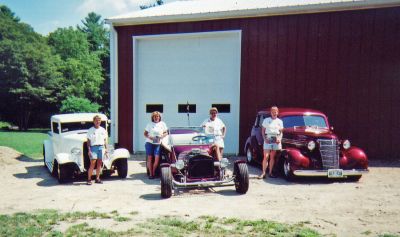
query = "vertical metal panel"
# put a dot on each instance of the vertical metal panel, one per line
(346, 64)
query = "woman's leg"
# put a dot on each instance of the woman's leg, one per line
(150, 165)
(272, 162)
(90, 171)
(155, 165)
(265, 163)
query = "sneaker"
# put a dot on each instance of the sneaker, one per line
(89, 182)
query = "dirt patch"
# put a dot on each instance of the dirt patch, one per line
(366, 208)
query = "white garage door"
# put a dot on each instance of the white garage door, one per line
(200, 68)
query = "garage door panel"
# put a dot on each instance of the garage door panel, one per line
(201, 69)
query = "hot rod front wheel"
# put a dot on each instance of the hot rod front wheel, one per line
(122, 168)
(241, 178)
(166, 182)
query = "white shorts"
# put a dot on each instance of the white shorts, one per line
(219, 142)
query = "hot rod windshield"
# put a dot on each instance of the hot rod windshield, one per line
(304, 120)
(82, 125)
(189, 136)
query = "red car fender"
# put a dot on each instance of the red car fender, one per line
(354, 157)
(296, 159)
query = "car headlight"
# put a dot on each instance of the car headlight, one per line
(179, 164)
(311, 145)
(346, 144)
(76, 151)
(224, 162)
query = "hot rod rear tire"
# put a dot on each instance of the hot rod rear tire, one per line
(166, 182)
(242, 178)
(122, 168)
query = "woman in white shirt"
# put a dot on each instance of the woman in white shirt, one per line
(154, 132)
(272, 134)
(216, 127)
(97, 146)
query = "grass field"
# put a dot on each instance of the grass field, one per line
(29, 143)
(47, 222)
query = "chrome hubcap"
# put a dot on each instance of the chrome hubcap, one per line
(249, 155)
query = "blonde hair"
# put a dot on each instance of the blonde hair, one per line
(96, 117)
(213, 109)
(155, 113)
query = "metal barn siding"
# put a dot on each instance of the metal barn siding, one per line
(346, 64)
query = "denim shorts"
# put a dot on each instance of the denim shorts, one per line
(272, 146)
(97, 152)
(152, 149)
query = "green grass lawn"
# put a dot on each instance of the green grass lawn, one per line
(29, 143)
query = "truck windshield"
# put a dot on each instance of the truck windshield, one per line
(304, 120)
(82, 125)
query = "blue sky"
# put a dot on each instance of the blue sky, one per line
(46, 16)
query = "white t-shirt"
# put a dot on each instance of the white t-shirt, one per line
(213, 127)
(97, 136)
(155, 130)
(272, 126)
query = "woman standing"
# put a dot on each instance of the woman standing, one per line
(272, 134)
(154, 132)
(97, 146)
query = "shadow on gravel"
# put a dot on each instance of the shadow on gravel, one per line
(394, 163)
(28, 159)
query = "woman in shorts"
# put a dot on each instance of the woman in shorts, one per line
(272, 134)
(154, 132)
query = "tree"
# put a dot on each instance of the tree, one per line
(158, 3)
(74, 104)
(81, 68)
(7, 13)
(28, 70)
(98, 38)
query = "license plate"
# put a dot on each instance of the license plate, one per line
(335, 173)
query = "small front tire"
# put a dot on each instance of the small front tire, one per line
(166, 182)
(289, 176)
(241, 178)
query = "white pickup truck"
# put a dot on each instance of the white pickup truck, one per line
(65, 152)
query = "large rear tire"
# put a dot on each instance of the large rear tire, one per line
(241, 178)
(122, 168)
(166, 182)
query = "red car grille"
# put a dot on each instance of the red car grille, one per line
(329, 151)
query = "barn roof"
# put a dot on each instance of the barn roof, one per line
(200, 10)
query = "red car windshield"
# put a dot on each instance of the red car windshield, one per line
(304, 121)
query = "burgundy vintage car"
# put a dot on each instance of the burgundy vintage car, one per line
(191, 163)
(309, 147)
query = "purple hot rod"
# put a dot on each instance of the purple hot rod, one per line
(310, 147)
(192, 163)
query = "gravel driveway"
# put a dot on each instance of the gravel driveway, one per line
(333, 208)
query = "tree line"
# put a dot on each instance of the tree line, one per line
(66, 71)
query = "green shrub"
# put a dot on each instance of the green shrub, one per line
(74, 104)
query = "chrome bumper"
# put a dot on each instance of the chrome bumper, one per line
(324, 173)
(226, 182)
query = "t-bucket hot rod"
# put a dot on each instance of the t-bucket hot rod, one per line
(310, 147)
(193, 163)
(65, 152)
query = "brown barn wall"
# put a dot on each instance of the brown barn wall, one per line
(346, 64)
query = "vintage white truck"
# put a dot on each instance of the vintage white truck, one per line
(65, 152)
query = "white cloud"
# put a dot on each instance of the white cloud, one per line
(113, 7)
